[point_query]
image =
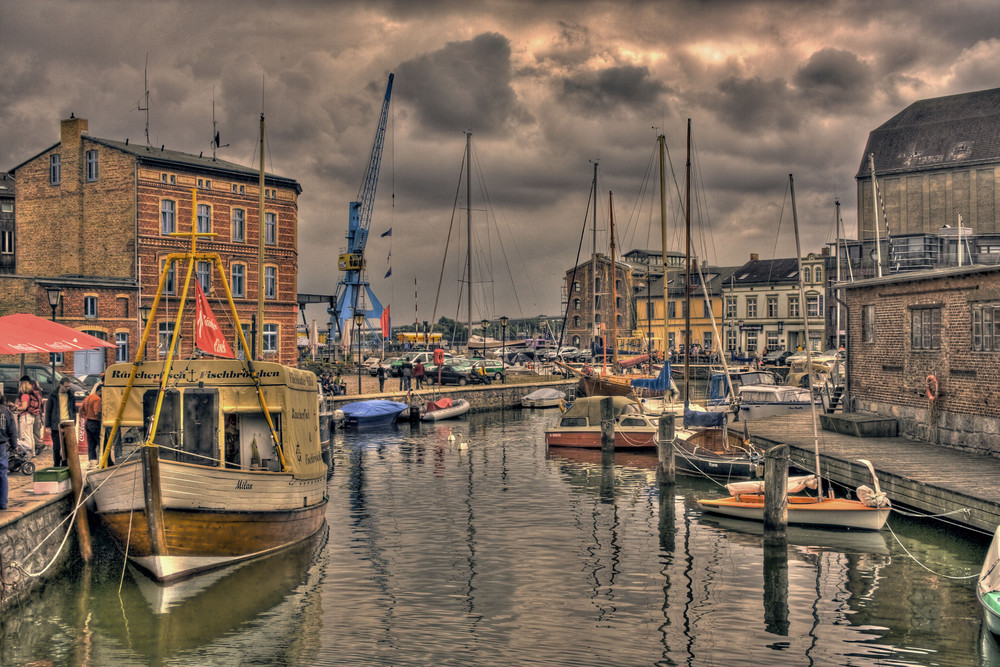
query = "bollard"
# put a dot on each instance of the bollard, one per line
(666, 470)
(68, 432)
(776, 493)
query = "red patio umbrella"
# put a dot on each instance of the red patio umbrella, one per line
(22, 333)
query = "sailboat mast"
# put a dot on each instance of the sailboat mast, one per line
(258, 343)
(878, 243)
(593, 269)
(468, 233)
(687, 265)
(839, 237)
(614, 287)
(662, 139)
(805, 326)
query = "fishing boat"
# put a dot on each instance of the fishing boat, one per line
(988, 588)
(371, 414)
(704, 446)
(868, 512)
(444, 408)
(580, 425)
(216, 459)
(546, 397)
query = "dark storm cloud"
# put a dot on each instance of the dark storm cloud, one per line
(463, 85)
(753, 104)
(833, 79)
(609, 89)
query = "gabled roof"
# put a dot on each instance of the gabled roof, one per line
(957, 130)
(163, 157)
(766, 272)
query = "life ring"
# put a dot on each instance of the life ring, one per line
(932, 387)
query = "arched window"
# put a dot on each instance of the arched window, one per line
(618, 286)
(576, 321)
(576, 286)
(597, 284)
(576, 341)
(576, 304)
(806, 275)
(818, 274)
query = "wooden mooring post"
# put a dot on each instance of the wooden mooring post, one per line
(666, 469)
(607, 431)
(67, 430)
(776, 493)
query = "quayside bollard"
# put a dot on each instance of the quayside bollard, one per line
(666, 469)
(776, 493)
(68, 431)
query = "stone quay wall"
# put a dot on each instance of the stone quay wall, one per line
(21, 533)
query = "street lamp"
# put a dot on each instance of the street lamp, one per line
(359, 319)
(485, 324)
(503, 354)
(54, 294)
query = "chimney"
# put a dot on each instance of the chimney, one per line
(754, 257)
(71, 133)
(826, 251)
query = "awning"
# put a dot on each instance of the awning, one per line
(22, 333)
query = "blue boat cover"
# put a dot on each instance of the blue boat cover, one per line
(697, 418)
(374, 408)
(659, 383)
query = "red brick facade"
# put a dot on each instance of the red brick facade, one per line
(888, 370)
(98, 232)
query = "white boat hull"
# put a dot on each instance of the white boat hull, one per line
(826, 514)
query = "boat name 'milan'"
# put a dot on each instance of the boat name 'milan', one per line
(243, 485)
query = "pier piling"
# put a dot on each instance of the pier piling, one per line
(666, 470)
(776, 493)
(68, 432)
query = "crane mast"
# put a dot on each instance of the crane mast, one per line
(352, 287)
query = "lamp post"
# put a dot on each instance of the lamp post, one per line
(485, 324)
(359, 319)
(739, 336)
(144, 313)
(54, 294)
(503, 354)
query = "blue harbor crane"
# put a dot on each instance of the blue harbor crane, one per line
(349, 299)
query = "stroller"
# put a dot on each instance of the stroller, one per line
(19, 460)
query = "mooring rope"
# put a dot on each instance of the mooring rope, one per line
(914, 559)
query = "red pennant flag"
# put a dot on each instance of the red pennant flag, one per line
(385, 322)
(208, 335)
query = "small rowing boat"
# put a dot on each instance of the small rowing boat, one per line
(444, 408)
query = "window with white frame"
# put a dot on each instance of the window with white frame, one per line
(168, 216)
(90, 307)
(707, 340)
(806, 275)
(772, 340)
(164, 332)
(793, 306)
(730, 307)
(270, 338)
(731, 339)
(751, 307)
(55, 169)
(576, 321)
(205, 276)
(772, 306)
(7, 242)
(986, 327)
(238, 283)
(270, 228)
(239, 225)
(92, 165)
(170, 283)
(270, 282)
(818, 274)
(751, 341)
(925, 332)
(121, 346)
(204, 218)
(814, 305)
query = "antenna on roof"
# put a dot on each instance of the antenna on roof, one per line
(145, 87)
(215, 131)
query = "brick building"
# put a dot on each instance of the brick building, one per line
(93, 224)
(590, 306)
(943, 323)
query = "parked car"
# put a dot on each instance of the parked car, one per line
(424, 357)
(776, 357)
(452, 371)
(494, 368)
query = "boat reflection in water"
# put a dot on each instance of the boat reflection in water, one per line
(159, 621)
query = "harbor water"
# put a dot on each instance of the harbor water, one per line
(487, 549)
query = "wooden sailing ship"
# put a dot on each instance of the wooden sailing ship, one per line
(215, 460)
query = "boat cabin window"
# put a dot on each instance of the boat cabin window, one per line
(248, 441)
(573, 421)
(187, 431)
(633, 421)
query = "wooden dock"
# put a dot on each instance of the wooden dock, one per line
(922, 476)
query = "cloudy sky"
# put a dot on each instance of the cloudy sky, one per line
(547, 88)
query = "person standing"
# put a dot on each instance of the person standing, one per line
(90, 411)
(407, 373)
(60, 409)
(27, 410)
(8, 438)
(418, 373)
(381, 377)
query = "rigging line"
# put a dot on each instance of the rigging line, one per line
(914, 559)
(576, 265)
(702, 205)
(447, 242)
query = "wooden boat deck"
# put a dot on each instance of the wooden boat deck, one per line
(929, 478)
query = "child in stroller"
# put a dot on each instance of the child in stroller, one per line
(20, 459)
